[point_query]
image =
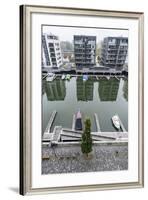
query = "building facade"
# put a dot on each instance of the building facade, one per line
(84, 51)
(114, 52)
(51, 51)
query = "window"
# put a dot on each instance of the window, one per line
(50, 45)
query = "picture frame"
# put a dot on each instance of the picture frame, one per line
(29, 84)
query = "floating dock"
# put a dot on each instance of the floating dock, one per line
(97, 78)
(73, 122)
(51, 120)
(117, 78)
(75, 135)
(45, 76)
(56, 134)
(60, 134)
(97, 122)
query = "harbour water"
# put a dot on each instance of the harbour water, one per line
(96, 95)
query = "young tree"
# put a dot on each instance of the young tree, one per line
(86, 144)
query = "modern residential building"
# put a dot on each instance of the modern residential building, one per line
(84, 51)
(114, 52)
(51, 51)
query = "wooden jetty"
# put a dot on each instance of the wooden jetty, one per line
(51, 120)
(73, 122)
(113, 135)
(97, 78)
(70, 130)
(56, 134)
(45, 76)
(117, 78)
(60, 134)
(97, 122)
(78, 135)
(47, 137)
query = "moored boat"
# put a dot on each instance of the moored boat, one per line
(63, 77)
(85, 77)
(50, 77)
(68, 77)
(108, 77)
(116, 121)
(78, 123)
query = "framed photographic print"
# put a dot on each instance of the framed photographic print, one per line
(81, 99)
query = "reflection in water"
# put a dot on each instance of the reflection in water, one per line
(55, 90)
(125, 90)
(108, 89)
(84, 89)
(43, 86)
(104, 97)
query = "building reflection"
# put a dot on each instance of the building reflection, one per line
(125, 90)
(43, 86)
(84, 89)
(55, 90)
(108, 89)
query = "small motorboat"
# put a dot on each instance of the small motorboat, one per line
(63, 77)
(68, 77)
(50, 77)
(108, 77)
(78, 123)
(116, 121)
(85, 77)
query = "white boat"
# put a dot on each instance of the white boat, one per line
(78, 123)
(116, 121)
(107, 77)
(63, 77)
(85, 77)
(50, 77)
(68, 77)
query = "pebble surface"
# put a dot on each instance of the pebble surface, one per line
(69, 159)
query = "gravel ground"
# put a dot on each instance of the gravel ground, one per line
(66, 159)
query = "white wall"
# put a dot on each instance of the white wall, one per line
(9, 101)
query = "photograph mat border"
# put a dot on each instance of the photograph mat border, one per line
(25, 98)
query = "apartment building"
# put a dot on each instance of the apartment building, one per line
(84, 51)
(51, 51)
(114, 52)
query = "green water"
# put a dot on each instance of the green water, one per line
(104, 97)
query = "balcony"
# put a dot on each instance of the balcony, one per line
(52, 49)
(123, 44)
(79, 56)
(111, 58)
(122, 52)
(78, 42)
(79, 48)
(112, 43)
(52, 55)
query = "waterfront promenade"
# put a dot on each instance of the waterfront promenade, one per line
(65, 159)
(90, 71)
